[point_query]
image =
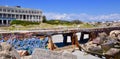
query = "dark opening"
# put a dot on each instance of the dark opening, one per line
(0, 21)
(13, 16)
(17, 16)
(9, 21)
(20, 16)
(9, 16)
(24, 17)
(84, 38)
(0, 15)
(4, 21)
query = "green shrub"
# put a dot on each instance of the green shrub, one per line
(24, 23)
(58, 22)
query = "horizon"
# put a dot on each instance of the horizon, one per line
(84, 10)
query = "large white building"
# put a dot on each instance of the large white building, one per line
(7, 14)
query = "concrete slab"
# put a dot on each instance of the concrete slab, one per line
(83, 55)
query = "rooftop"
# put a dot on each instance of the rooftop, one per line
(19, 7)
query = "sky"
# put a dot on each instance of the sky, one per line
(84, 10)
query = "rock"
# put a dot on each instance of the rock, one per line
(7, 52)
(103, 34)
(6, 46)
(114, 33)
(83, 55)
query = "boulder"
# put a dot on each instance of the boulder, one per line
(114, 33)
(7, 52)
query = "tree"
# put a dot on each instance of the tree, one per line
(44, 19)
(77, 22)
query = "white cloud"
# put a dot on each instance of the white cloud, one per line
(83, 17)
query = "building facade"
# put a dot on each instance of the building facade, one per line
(7, 14)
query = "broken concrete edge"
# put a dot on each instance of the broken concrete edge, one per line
(48, 54)
(7, 52)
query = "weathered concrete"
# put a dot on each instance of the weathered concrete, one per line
(7, 52)
(83, 55)
(47, 54)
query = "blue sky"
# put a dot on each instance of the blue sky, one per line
(85, 10)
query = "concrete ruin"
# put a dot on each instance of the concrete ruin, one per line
(7, 52)
(47, 54)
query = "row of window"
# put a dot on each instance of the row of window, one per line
(20, 11)
(22, 17)
(19, 16)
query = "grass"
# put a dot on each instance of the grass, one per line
(85, 25)
(45, 26)
(27, 25)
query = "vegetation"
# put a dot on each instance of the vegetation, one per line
(86, 25)
(24, 23)
(27, 25)
(58, 22)
(52, 22)
(62, 22)
(44, 19)
(76, 22)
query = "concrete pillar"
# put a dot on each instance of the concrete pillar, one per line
(7, 22)
(82, 40)
(65, 39)
(35, 18)
(38, 18)
(29, 17)
(41, 18)
(74, 41)
(2, 15)
(2, 22)
(11, 16)
(26, 17)
(15, 16)
(6, 15)
(51, 45)
(19, 17)
(32, 18)
(2, 9)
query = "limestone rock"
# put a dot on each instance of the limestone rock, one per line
(7, 52)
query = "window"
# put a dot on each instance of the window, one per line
(8, 10)
(23, 11)
(38, 12)
(0, 15)
(12, 10)
(0, 9)
(9, 15)
(32, 11)
(19, 11)
(16, 11)
(4, 10)
(35, 12)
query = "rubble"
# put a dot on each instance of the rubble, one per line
(7, 52)
(105, 45)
